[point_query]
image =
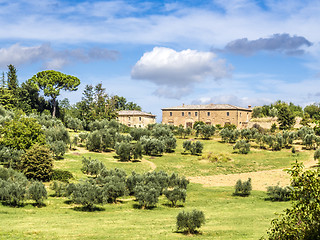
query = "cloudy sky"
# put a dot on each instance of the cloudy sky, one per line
(165, 53)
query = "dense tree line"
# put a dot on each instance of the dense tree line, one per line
(30, 97)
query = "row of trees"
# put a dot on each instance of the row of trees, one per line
(107, 185)
(275, 142)
(96, 104)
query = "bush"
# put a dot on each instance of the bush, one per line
(113, 188)
(195, 148)
(37, 163)
(10, 157)
(124, 150)
(190, 221)
(152, 146)
(92, 167)
(58, 149)
(277, 193)
(175, 194)
(243, 146)
(21, 133)
(60, 189)
(147, 194)
(243, 189)
(12, 186)
(37, 192)
(87, 194)
(316, 155)
(61, 175)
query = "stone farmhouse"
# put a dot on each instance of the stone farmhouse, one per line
(211, 114)
(133, 118)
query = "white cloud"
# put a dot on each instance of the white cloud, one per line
(176, 72)
(50, 58)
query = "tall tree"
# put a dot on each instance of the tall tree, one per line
(51, 82)
(286, 118)
(12, 78)
(3, 81)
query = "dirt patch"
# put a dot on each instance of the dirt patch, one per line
(151, 164)
(260, 180)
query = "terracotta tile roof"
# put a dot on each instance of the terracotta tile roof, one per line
(208, 107)
(134, 113)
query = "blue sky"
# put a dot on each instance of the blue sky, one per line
(165, 53)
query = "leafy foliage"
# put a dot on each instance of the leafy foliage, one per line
(277, 193)
(61, 175)
(175, 194)
(21, 133)
(243, 146)
(243, 189)
(37, 192)
(302, 220)
(37, 163)
(190, 221)
(195, 148)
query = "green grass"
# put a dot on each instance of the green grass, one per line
(227, 217)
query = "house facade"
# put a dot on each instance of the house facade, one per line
(212, 114)
(133, 118)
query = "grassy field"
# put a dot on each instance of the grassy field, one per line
(227, 217)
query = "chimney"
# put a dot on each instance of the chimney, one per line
(249, 106)
(182, 104)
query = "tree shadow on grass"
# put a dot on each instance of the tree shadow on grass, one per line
(172, 206)
(187, 233)
(39, 205)
(69, 201)
(89, 209)
(138, 206)
(19, 205)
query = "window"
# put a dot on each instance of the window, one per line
(140, 119)
(189, 114)
(240, 114)
(208, 114)
(228, 114)
(182, 114)
(129, 118)
(170, 114)
(196, 113)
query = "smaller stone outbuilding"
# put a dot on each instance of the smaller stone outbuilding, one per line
(211, 114)
(134, 118)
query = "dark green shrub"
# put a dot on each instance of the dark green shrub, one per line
(61, 175)
(60, 188)
(87, 194)
(242, 146)
(21, 133)
(13, 186)
(37, 192)
(147, 194)
(243, 189)
(133, 180)
(36, 163)
(113, 188)
(195, 148)
(277, 193)
(58, 149)
(175, 194)
(124, 150)
(92, 167)
(152, 146)
(190, 221)
(10, 157)
(316, 154)
(137, 133)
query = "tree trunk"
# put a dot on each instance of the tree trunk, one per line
(54, 107)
